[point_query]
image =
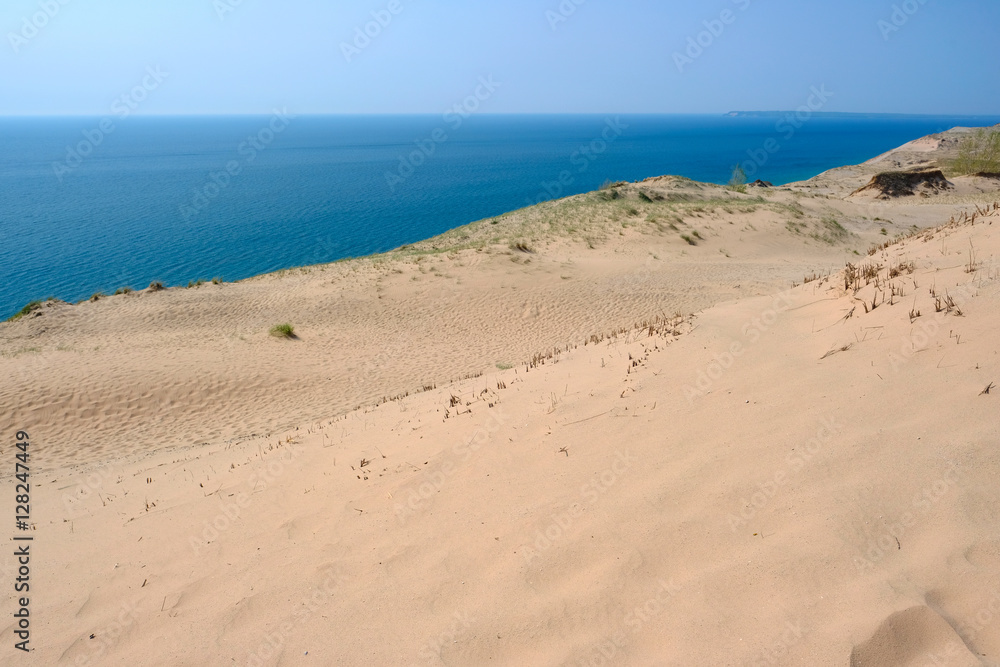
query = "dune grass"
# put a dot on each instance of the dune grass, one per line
(978, 153)
(27, 310)
(283, 331)
(830, 231)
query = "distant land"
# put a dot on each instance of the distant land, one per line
(848, 114)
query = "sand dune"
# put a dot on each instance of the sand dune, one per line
(181, 367)
(661, 453)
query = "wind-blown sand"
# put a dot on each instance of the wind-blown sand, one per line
(715, 468)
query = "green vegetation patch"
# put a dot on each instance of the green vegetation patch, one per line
(979, 153)
(283, 331)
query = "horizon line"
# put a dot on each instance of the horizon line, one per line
(732, 113)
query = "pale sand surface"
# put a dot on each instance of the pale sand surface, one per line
(826, 495)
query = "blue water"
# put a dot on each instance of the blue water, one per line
(129, 211)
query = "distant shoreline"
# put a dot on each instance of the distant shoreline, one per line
(858, 115)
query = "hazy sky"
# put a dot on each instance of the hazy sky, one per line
(250, 56)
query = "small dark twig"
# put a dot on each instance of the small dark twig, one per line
(987, 390)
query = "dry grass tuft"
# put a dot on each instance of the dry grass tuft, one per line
(283, 331)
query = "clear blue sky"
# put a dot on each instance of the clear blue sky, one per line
(605, 57)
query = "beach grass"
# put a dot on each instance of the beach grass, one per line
(27, 310)
(283, 331)
(979, 153)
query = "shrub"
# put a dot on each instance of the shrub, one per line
(979, 153)
(123, 290)
(738, 180)
(283, 331)
(156, 286)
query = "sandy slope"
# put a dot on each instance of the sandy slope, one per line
(133, 373)
(936, 151)
(779, 479)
